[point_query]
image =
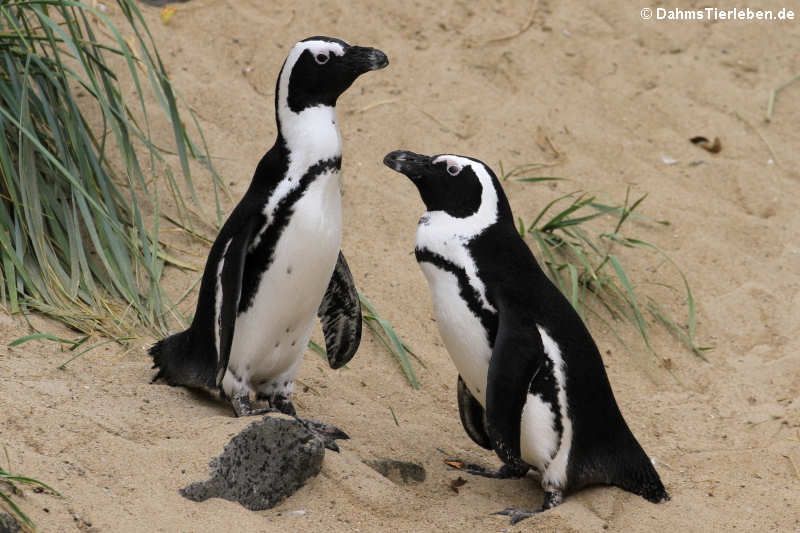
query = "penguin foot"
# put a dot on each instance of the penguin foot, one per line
(243, 406)
(505, 472)
(518, 515)
(551, 499)
(326, 432)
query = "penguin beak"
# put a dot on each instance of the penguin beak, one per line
(408, 163)
(363, 59)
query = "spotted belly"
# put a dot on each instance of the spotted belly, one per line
(271, 335)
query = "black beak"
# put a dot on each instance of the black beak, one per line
(363, 59)
(408, 163)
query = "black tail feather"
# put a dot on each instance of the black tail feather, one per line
(618, 461)
(641, 478)
(179, 364)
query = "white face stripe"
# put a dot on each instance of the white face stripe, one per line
(311, 135)
(451, 162)
(315, 47)
(448, 236)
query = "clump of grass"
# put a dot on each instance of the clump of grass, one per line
(9, 489)
(74, 198)
(585, 267)
(74, 241)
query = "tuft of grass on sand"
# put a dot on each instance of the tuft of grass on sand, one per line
(386, 334)
(76, 195)
(9, 489)
(585, 267)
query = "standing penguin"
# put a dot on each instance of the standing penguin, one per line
(531, 385)
(276, 262)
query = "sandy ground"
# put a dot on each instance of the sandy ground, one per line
(614, 94)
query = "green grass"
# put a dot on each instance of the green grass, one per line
(80, 209)
(588, 267)
(384, 332)
(9, 490)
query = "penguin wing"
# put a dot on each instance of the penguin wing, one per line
(340, 315)
(516, 358)
(473, 416)
(231, 280)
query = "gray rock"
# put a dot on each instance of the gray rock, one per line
(8, 524)
(264, 464)
(398, 471)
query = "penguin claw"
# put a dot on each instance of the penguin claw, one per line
(243, 406)
(328, 433)
(505, 472)
(517, 515)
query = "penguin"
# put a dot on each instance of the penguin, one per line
(531, 385)
(277, 262)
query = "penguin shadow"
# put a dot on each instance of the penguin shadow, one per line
(209, 400)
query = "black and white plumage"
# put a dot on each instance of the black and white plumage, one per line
(276, 262)
(532, 385)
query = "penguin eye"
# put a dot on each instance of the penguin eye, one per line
(453, 170)
(321, 58)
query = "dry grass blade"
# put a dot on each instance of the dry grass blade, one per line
(773, 94)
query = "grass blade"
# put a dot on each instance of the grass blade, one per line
(384, 331)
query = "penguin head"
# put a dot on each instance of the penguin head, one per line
(319, 69)
(454, 184)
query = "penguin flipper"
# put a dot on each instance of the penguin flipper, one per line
(473, 416)
(340, 315)
(230, 278)
(516, 358)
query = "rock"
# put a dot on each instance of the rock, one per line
(398, 471)
(264, 464)
(8, 524)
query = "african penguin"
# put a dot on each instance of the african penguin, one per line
(531, 385)
(276, 262)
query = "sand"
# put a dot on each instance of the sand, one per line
(616, 96)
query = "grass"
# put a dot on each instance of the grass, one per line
(80, 208)
(588, 269)
(74, 241)
(773, 94)
(384, 332)
(9, 489)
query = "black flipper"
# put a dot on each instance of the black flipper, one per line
(517, 357)
(340, 315)
(234, 257)
(473, 416)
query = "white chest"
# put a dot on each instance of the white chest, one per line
(462, 332)
(271, 336)
(466, 341)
